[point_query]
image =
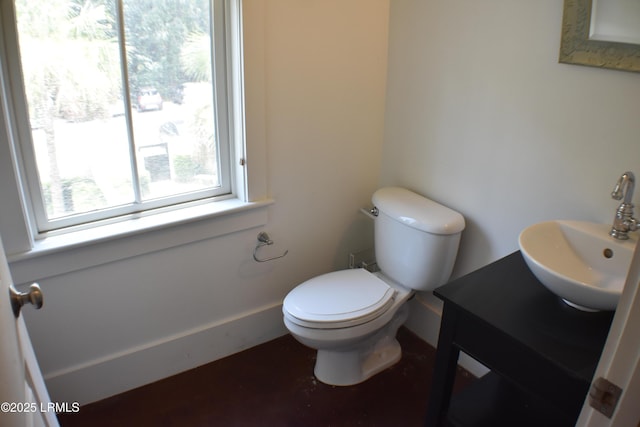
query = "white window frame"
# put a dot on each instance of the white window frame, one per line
(230, 117)
(35, 259)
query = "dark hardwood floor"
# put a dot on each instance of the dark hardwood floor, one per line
(273, 385)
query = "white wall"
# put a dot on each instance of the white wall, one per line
(326, 73)
(316, 73)
(481, 117)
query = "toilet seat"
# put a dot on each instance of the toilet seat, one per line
(340, 299)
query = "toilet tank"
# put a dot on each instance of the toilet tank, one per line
(416, 239)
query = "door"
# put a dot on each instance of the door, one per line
(24, 398)
(620, 360)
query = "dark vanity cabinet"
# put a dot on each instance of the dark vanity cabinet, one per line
(542, 353)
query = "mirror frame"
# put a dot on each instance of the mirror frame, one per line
(577, 48)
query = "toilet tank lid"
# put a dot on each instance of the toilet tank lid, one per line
(417, 211)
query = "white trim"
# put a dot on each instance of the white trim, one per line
(101, 245)
(236, 102)
(116, 373)
(620, 360)
(14, 217)
(253, 34)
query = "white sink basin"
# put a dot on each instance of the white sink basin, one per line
(578, 261)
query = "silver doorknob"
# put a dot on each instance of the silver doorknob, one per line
(18, 299)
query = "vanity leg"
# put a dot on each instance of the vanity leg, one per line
(444, 371)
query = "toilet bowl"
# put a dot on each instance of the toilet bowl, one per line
(352, 316)
(355, 337)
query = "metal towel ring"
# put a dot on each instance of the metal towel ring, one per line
(265, 240)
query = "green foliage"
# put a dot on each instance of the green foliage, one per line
(80, 195)
(71, 55)
(195, 57)
(185, 168)
(157, 31)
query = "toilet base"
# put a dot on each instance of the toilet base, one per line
(348, 368)
(356, 364)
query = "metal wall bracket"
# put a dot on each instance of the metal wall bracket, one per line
(265, 240)
(604, 396)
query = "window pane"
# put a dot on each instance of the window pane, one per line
(72, 79)
(169, 62)
(90, 153)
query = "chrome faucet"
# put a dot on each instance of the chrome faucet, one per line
(624, 220)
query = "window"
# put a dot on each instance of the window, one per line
(126, 106)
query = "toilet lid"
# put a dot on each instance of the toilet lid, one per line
(339, 299)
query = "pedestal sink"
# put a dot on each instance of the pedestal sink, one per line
(578, 261)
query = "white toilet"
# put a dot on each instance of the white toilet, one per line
(351, 316)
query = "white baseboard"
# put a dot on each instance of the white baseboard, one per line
(135, 367)
(424, 321)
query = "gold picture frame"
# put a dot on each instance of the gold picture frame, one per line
(577, 48)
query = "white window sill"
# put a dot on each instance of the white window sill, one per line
(64, 253)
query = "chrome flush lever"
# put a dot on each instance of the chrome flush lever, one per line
(18, 299)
